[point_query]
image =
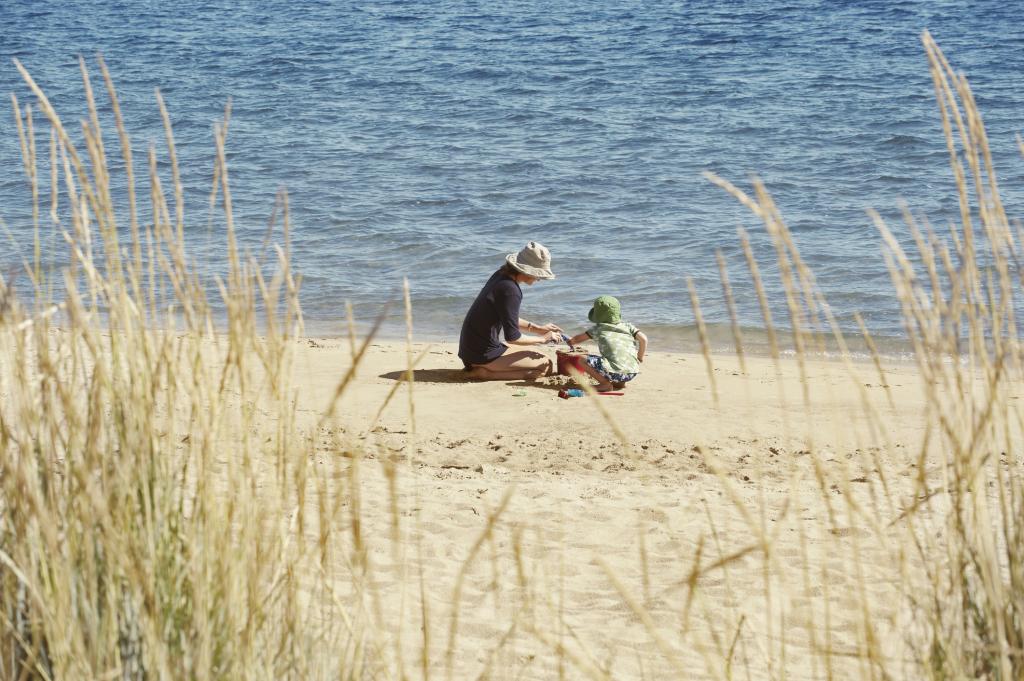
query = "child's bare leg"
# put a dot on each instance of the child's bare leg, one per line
(603, 385)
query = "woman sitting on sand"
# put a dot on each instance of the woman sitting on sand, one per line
(496, 310)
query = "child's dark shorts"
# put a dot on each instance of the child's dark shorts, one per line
(594, 361)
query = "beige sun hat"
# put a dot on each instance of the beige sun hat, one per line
(534, 259)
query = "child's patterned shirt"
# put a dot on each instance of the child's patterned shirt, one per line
(617, 345)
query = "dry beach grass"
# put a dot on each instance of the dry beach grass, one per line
(180, 502)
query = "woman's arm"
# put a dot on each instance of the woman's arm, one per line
(548, 333)
(530, 327)
(641, 342)
(550, 336)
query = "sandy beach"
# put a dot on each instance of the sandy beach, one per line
(536, 542)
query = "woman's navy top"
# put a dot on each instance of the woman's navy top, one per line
(495, 309)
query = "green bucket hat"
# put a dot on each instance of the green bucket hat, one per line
(606, 310)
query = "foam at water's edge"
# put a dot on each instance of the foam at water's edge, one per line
(663, 339)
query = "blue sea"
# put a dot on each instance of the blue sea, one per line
(426, 140)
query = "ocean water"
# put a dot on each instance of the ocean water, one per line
(425, 140)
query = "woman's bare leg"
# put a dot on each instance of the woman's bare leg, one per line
(514, 365)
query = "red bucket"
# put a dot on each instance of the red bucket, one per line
(569, 359)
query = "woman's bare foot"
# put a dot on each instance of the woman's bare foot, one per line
(604, 387)
(478, 373)
(619, 385)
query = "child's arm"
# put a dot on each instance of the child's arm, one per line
(579, 338)
(641, 342)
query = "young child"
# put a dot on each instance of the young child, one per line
(622, 346)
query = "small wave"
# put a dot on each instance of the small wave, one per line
(562, 38)
(904, 140)
(428, 203)
(595, 84)
(517, 91)
(481, 73)
(519, 117)
(901, 180)
(520, 166)
(715, 40)
(402, 18)
(582, 121)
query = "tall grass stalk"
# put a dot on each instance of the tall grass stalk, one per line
(955, 532)
(134, 542)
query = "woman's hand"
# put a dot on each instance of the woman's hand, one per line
(538, 328)
(549, 337)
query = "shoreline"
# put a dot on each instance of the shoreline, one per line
(389, 334)
(673, 396)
